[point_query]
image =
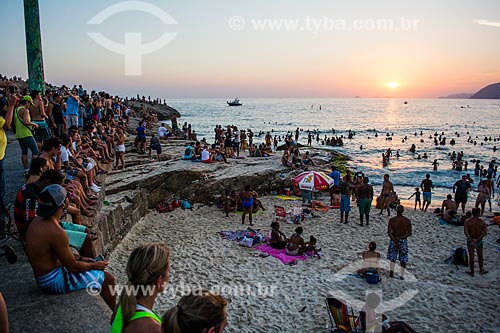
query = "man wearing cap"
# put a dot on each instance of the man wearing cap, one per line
(460, 188)
(399, 229)
(25, 211)
(56, 268)
(24, 134)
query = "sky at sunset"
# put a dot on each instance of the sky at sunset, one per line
(268, 48)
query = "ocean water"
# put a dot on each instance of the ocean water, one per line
(456, 118)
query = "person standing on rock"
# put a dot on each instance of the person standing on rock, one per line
(120, 138)
(246, 198)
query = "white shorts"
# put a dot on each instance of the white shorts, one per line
(90, 164)
(120, 148)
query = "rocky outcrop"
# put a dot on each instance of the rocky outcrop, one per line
(164, 112)
(131, 193)
(489, 92)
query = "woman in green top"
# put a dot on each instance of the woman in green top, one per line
(24, 133)
(148, 271)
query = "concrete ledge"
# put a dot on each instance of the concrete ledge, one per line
(32, 311)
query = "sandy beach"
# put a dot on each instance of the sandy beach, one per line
(266, 295)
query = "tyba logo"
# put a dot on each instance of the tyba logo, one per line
(133, 49)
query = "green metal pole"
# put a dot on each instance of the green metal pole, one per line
(34, 46)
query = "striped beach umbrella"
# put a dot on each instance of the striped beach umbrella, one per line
(313, 181)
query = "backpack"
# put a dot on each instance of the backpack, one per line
(459, 258)
(186, 205)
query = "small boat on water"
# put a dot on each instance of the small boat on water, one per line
(235, 102)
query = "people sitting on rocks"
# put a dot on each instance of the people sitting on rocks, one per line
(207, 156)
(163, 132)
(57, 270)
(148, 271)
(296, 160)
(307, 161)
(285, 159)
(25, 211)
(188, 152)
(276, 239)
(295, 245)
(199, 312)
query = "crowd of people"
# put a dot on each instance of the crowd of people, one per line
(72, 134)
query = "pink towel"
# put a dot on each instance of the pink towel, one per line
(278, 254)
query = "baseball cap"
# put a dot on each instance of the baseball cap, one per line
(400, 209)
(51, 198)
(28, 98)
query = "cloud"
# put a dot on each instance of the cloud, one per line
(488, 23)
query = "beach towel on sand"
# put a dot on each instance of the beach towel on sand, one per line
(232, 235)
(278, 254)
(287, 198)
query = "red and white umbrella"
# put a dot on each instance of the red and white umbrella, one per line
(313, 181)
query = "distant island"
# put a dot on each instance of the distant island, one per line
(491, 91)
(459, 95)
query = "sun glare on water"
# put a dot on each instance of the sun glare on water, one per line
(392, 85)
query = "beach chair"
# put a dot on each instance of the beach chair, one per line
(280, 213)
(342, 318)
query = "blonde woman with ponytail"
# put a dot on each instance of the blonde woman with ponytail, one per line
(200, 312)
(147, 271)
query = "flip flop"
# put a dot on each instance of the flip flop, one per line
(471, 274)
(483, 272)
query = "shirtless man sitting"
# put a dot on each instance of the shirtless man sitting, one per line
(448, 208)
(56, 268)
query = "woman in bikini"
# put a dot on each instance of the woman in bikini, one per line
(246, 199)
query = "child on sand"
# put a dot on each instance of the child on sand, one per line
(310, 248)
(417, 198)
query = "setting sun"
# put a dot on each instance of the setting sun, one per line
(392, 85)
